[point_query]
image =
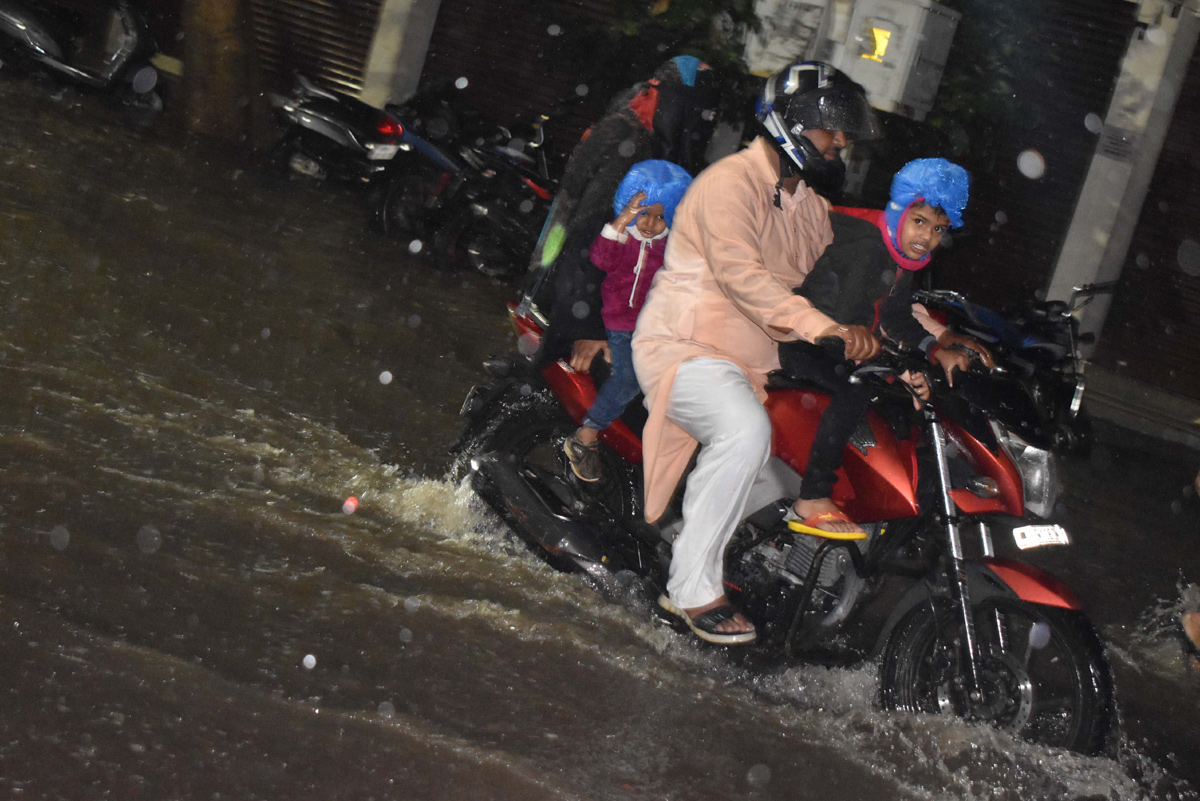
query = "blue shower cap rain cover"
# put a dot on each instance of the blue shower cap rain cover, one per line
(663, 182)
(939, 182)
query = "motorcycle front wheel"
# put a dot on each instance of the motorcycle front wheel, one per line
(1042, 672)
(475, 242)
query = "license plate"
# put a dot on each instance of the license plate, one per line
(1037, 536)
(381, 152)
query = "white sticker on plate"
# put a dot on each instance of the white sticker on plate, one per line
(1037, 536)
(381, 152)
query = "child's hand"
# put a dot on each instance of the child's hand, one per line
(628, 214)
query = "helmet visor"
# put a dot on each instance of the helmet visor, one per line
(834, 108)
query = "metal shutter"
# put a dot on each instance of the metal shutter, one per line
(328, 41)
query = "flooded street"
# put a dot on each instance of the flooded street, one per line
(201, 362)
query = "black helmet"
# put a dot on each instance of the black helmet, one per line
(809, 95)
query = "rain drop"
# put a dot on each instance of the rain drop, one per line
(887, 276)
(581, 90)
(1031, 164)
(387, 709)
(385, 378)
(412, 604)
(350, 506)
(415, 246)
(310, 661)
(149, 539)
(758, 776)
(1093, 122)
(259, 475)
(406, 635)
(1142, 260)
(807, 401)
(526, 390)
(414, 320)
(265, 333)
(554, 30)
(60, 538)
(1188, 256)
(1001, 217)
(526, 206)
(1156, 35)
(581, 309)
(461, 83)
(527, 345)
(1163, 206)
(626, 148)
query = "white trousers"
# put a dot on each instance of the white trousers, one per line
(713, 401)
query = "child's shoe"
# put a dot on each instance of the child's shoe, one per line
(584, 458)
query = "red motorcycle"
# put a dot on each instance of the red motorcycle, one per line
(981, 637)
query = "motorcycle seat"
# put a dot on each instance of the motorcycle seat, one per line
(778, 379)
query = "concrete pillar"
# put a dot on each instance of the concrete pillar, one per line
(215, 70)
(398, 50)
(1131, 140)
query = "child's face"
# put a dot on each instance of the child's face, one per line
(650, 222)
(921, 232)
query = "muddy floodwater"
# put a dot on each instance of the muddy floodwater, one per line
(200, 363)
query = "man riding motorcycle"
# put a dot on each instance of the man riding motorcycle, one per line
(749, 229)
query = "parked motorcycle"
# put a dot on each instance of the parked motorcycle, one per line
(481, 199)
(330, 135)
(985, 638)
(106, 47)
(1038, 344)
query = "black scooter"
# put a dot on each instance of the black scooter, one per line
(105, 47)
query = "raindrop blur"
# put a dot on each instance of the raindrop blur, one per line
(581, 90)
(1163, 206)
(415, 246)
(387, 709)
(406, 635)
(1001, 217)
(461, 83)
(350, 506)
(1093, 122)
(626, 148)
(1142, 260)
(517, 144)
(527, 345)
(1156, 35)
(887, 276)
(60, 538)
(259, 475)
(580, 309)
(526, 390)
(947, 240)
(414, 320)
(385, 378)
(808, 401)
(1188, 256)
(662, 47)
(310, 661)
(526, 206)
(1031, 164)
(758, 776)
(412, 604)
(554, 30)
(265, 333)
(149, 539)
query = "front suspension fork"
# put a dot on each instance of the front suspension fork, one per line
(958, 576)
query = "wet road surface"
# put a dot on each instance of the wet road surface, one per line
(200, 362)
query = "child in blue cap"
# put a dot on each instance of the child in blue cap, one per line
(864, 279)
(629, 250)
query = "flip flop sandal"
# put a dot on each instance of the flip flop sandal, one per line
(809, 525)
(704, 625)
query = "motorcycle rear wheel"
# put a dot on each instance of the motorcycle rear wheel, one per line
(405, 208)
(1059, 695)
(533, 432)
(474, 242)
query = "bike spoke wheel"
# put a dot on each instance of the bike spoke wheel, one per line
(1042, 673)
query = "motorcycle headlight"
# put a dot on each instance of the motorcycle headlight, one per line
(1039, 471)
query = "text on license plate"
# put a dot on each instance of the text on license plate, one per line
(1037, 536)
(382, 152)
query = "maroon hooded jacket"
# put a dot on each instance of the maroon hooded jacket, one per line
(629, 263)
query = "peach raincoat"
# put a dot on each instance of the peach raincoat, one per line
(725, 291)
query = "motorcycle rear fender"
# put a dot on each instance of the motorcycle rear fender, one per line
(21, 25)
(988, 578)
(576, 392)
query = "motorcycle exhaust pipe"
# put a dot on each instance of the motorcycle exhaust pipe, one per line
(497, 479)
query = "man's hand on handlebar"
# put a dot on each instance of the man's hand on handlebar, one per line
(949, 339)
(583, 351)
(861, 344)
